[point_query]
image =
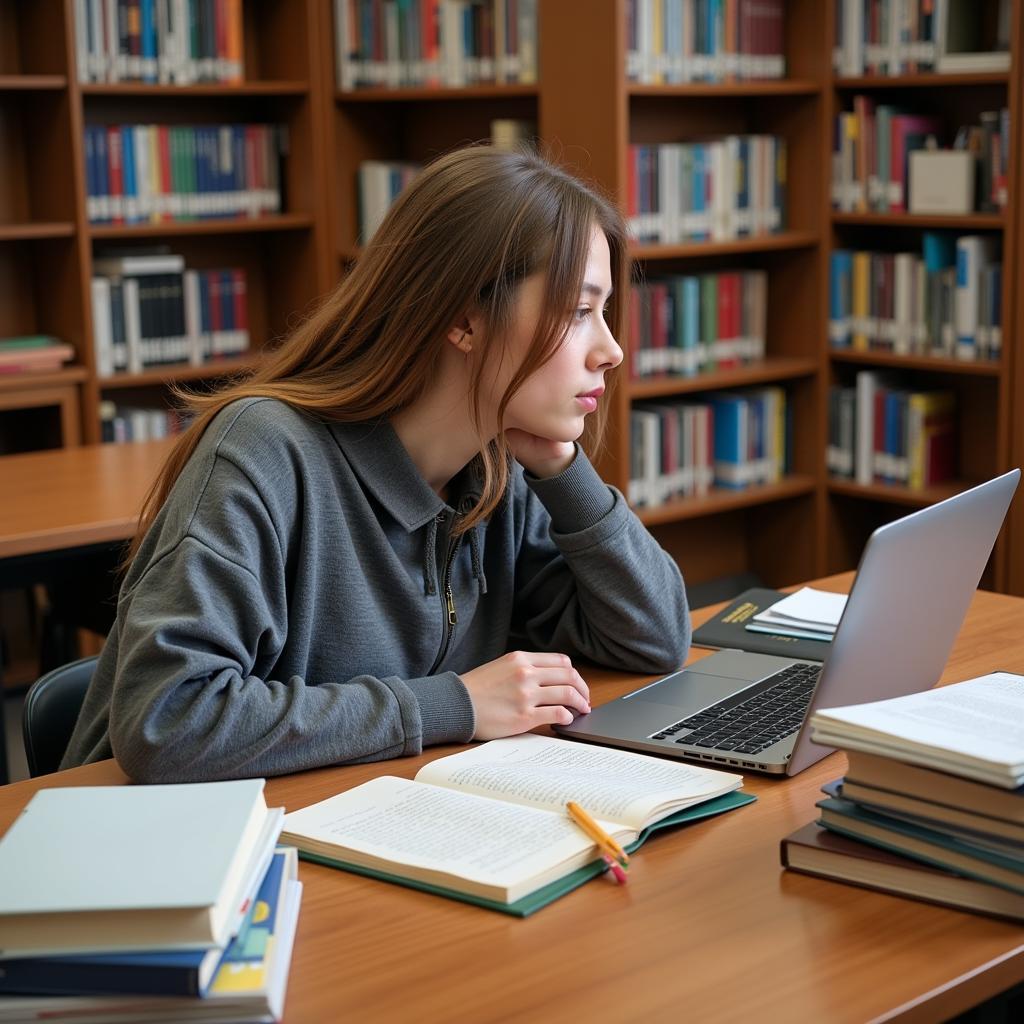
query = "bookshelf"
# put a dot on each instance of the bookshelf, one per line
(984, 390)
(47, 243)
(588, 113)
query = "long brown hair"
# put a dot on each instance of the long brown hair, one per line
(465, 233)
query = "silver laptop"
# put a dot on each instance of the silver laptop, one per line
(915, 580)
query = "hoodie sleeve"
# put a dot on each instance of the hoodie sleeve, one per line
(591, 581)
(192, 698)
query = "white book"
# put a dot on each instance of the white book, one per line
(102, 327)
(133, 867)
(973, 729)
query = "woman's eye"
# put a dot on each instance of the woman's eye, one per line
(582, 313)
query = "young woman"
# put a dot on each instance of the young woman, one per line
(388, 537)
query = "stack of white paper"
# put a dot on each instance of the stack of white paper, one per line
(809, 613)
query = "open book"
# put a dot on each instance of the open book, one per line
(489, 825)
(974, 729)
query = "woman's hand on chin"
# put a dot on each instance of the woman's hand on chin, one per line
(540, 456)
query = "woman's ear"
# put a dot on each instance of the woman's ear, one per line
(461, 335)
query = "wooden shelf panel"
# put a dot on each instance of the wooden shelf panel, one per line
(140, 89)
(699, 250)
(933, 364)
(967, 221)
(32, 83)
(742, 376)
(226, 226)
(29, 381)
(897, 495)
(738, 89)
(26, 232)
(922, 81)
(723, 500)
(424, 94)
(162, 375)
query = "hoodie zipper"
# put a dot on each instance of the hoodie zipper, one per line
(451, 616)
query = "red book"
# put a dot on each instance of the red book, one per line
(240, 297)
(907, 132)
(216, 311)
(728, 321)
(634, 333)
(163, 138)
(116, 173)
(220, 33)
(430, 26)
(659, 326)
(880, 460)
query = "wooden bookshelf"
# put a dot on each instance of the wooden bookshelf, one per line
(47, 244)
(987, 392)
(587, 114)
(593, 112)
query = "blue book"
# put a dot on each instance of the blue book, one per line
(147, 10)
(129, 179)
(732, 430)
(161, 972)
(840, 289)
(90, 172)
(691, 324)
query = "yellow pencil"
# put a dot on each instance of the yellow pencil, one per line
(598, 834)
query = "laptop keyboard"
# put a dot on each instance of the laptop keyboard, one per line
(750, 726)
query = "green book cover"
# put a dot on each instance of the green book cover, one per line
(923, 844)
(27, 341)
(542, 897)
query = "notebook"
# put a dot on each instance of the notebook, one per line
(916, 577)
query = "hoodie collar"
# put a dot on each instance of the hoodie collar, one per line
(383, 464)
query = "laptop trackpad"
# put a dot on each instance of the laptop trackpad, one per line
(689, 691)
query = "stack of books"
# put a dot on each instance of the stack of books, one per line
(33, 353)
(932, 806)
(149, 310)
(146, 903)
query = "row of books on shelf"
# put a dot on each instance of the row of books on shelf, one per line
(151, 173)
(896, 37)
(379, 182)
(879, 432)
(886, 160)
(33, 353)
(435, 43)
(932, 803)
(720, 189)
(690, 324)
(682, 449)
(163, 42)
(676, 41)
(122, 424)
(180, 907)
(148, 310)
(946, 302)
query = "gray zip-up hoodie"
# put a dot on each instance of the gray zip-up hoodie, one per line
(299, 601)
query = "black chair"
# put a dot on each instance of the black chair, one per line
(50, 712)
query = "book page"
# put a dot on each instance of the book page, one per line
(613, 785)
(981, 718)
(807, 607)
(408, 823)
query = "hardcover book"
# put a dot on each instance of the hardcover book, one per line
(814, 850)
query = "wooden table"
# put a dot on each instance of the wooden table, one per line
(709, 928)
(59, 505)
(68, 498)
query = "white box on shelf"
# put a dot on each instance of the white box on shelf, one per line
(942, 181)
